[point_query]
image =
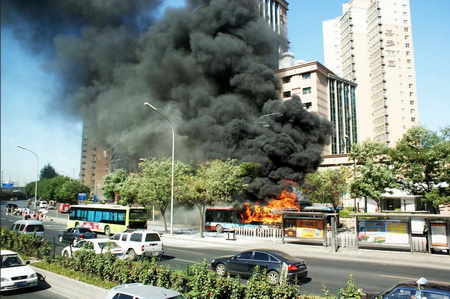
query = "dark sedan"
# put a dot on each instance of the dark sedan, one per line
(275, 262)
(75, 234)
(415, 289)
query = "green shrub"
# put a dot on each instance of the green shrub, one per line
(351, 292)
(26, 244)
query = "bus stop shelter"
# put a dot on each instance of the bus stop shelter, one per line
(396, 230)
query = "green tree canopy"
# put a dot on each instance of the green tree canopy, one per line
(113, 183)
(372, 174)
(48, 172)
(422, 160)
(156, 182)
(129, 193)
(213, 181)
(327, 186)
(68, 191)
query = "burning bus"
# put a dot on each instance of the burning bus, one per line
(251, 214)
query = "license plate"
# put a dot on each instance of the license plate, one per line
(20, 283)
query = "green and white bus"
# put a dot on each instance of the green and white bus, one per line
(107, 219)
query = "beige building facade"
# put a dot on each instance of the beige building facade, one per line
(371, 44)
(324, 93)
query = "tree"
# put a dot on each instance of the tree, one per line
(327, 186)
(69, 190)
(129, 193)
(113, 183)
(372, 174)
(422, 160)
(214, 181)
(155, 183)
(48, 188)
(48, 172)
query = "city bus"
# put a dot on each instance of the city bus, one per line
(107, 219)
(224, 218)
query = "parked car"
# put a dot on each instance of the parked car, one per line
(75, 234)
(414, 289)
(273, 261)
(141, 291)
(15, 273)
(140, 243)
(99, 246)
(29, 227)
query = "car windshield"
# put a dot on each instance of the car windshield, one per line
(108, 245)
(11, 260)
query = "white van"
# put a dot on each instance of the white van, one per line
(43, 204)
(28, 227)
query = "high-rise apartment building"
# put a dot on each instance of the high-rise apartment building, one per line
(371, 44)
(274, 12)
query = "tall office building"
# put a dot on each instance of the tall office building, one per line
(371, 44)
(274, 12)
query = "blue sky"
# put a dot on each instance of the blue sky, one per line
(27, 119)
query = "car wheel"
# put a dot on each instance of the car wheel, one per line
(60, 239)
(273, 277)
(221, 270)
(74, 241)
(65, 254)
(77, 224)
(219, 228)
(132, 255)
(107, 230)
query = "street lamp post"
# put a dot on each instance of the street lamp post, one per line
(173, 164)
(37, 174)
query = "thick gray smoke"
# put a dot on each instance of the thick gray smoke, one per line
(206, 67)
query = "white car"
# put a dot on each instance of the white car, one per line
(142, 291)
(99, 246)
(15, 273)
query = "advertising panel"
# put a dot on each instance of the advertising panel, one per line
(383, 232)
(438, 235)
(304, 228)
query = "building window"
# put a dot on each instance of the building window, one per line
(405, 13)
(406, 29)
(407, 53)
(410, 85)
(407, 45)
(307, 105)
(413, 110)
(411, 94)
(413, 119)
(411, 102)
(286, 79)
(408, 61)
(307, 90)
(286, 94)
(306, 75)
(406, 36)
(405, 22)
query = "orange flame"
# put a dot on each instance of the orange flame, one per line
(268, 214)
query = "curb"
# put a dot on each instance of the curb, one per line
(70, 286)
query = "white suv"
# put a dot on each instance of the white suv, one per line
(140, 243)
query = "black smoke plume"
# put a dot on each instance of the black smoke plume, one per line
(207, 67)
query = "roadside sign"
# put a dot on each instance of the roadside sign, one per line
(8, 186)
(82, 198)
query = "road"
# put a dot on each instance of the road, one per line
(371, 276)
